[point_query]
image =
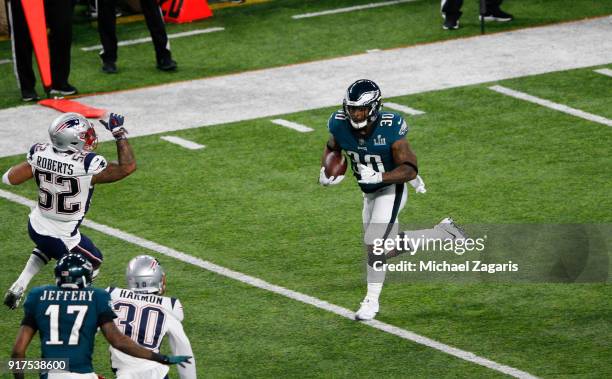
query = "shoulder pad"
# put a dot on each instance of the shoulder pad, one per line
(337, 118)
(177, 308)
(34, 149)
(94, 163)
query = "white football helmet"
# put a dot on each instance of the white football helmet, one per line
(73, 132)
(145, 274)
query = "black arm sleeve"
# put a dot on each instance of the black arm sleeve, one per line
(30, 321)
(105, 317)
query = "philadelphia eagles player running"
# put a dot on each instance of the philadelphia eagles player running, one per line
(66, 171)
(146, 317)
(67, 316)
(382, 161)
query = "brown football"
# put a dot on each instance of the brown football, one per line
(335, 164)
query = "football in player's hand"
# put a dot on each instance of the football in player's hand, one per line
(335, 164)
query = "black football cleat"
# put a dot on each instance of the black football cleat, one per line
(167, 64)
(13, 296)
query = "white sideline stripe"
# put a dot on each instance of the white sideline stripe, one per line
(255, 282)
(604, 71)
(350, 9)
(372, 51)
(183, 142)
(5, 61)
(552, 105)
(402, 108)
(148, 39)
(292, 125)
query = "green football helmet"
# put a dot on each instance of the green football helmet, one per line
(73, 271)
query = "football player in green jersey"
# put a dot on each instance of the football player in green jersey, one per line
(383, 162)
(67, 317)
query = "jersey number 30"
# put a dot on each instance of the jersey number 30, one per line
(147, 331)
(372, 160)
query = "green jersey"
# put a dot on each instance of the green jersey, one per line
(67, 321)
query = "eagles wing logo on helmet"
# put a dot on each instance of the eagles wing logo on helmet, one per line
(72, 132)
(363, 93)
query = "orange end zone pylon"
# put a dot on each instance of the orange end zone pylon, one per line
(34, 11)
(180, 11)
(65, 105)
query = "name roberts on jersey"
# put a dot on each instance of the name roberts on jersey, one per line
(64, 180)
(373, 150)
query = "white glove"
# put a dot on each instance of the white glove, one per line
(368, 175)
(332, 180)
(418, 184)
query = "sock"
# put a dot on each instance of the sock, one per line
(375, 283)
(374, 290)
(31, 268)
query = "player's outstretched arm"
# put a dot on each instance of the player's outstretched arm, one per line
(127, 162)
(18, 174)
(125, 344)
(180, 345)
(24, 337)
(406, 162)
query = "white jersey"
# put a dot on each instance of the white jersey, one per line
(64, 184)
(146, 319)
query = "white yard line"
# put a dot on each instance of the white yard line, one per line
(148, 39)
(552, 105)
(294, 295)
(183, 142)
(292, 125)
(604, 71)
(402, 108)
(350, 9)
(373, 51)
(6, 61)
(270, 93)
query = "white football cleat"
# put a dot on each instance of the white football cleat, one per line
(449, 226)
(13, 296)
(367, 311)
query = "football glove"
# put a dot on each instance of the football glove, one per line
(115, 125)
(418, 184)
(332, 180)
(368, 175)
(173, 359)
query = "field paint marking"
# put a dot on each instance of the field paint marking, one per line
(372, 51)
(350, 9)
(298, 296)
(5, 61)
(183, 142)
(402, 108)
(552, 105)
(292, 125)
(148, 39)
(604, 71)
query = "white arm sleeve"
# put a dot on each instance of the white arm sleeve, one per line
(180, 345)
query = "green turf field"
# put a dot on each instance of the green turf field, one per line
(286, 229)
(250, 202)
